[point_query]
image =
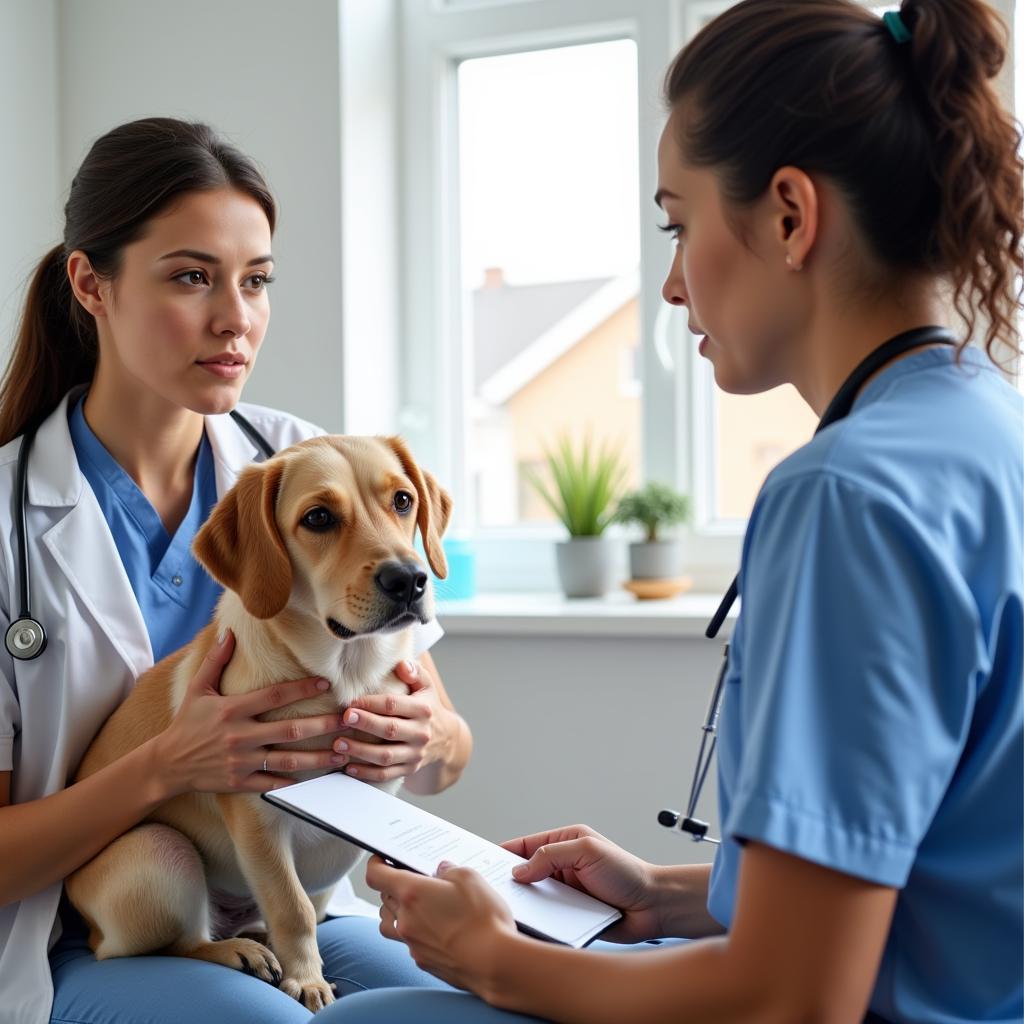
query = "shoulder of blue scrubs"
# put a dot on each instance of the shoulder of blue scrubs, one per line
(873, 718)
(878, 561)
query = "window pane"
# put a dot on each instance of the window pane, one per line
(548, 177)
(755, 433)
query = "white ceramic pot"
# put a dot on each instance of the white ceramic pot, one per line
(656, 560)
(586, 566)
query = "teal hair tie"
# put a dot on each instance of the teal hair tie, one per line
(895, 24)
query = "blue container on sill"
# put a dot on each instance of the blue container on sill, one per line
(461, 581)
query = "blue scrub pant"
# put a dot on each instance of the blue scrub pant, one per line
(445, 1005)
(171, 990)
(175, 990)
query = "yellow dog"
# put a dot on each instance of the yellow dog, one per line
(315, 550)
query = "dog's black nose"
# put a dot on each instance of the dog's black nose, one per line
(403, 582)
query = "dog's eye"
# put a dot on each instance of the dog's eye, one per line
(402, 502)
(319, 518)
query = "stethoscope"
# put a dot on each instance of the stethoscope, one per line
(837, 409)
(26, 638)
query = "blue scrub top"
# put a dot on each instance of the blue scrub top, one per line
(872, 719)
(175, 593)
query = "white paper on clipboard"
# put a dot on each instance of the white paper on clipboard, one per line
(416, 839)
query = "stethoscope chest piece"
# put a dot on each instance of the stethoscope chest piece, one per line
(25, 639)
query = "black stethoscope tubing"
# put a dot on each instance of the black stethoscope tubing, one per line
(839, 407)
(25, 638)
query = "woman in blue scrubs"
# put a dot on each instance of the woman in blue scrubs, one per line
(831, 179)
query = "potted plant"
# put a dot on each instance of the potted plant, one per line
(586, 485)
(653, 507)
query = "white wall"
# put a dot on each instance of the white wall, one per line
(306, 88)
(265, 73)
(31, 197)
(370, 169)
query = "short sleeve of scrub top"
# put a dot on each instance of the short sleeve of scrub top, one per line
(856, 680)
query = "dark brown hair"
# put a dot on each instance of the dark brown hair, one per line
(130, 175)
(912, 133)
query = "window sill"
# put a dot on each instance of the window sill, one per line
(551, 614)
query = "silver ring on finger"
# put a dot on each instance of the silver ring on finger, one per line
(265, 768)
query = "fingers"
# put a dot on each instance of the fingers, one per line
(212, 666)
(389, 924)
(378, 712)
(256, 702)
(409, 673)
(542, 864)
(383, 877)
(383, 755)
(295, 760)
(370, 773)
(526, 846)
(291, 730)
(552, 858)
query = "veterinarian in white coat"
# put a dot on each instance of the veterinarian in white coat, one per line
(98, 642)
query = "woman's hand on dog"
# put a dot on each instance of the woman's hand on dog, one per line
(417, 728)
(215, 744)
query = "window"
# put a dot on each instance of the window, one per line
(519, 317)
(548, 187)
(485, 335)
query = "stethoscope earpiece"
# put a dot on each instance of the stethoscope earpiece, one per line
(25, 639)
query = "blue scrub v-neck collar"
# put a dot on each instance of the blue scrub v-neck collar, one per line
(134, 502)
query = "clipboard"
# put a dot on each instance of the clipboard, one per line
(409, 837)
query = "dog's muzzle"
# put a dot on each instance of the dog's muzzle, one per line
(403, 586)
(402, 583)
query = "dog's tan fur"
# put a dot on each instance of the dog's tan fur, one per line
(232, 856)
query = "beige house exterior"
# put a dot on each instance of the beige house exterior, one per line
(579, 375)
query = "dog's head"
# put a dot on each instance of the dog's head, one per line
(328, 527)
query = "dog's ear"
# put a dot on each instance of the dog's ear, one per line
(240, 545)
(434, 506)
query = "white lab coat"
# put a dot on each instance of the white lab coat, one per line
(97, 646)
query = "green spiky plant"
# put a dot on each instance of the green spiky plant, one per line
(653, 506)
(586, 485)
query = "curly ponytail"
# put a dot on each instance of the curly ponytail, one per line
(912, 132)
(957, 48)
(130, 175)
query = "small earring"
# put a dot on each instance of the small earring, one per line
(791, 265)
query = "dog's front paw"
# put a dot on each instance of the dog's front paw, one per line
(313, 993)
(242, 955)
